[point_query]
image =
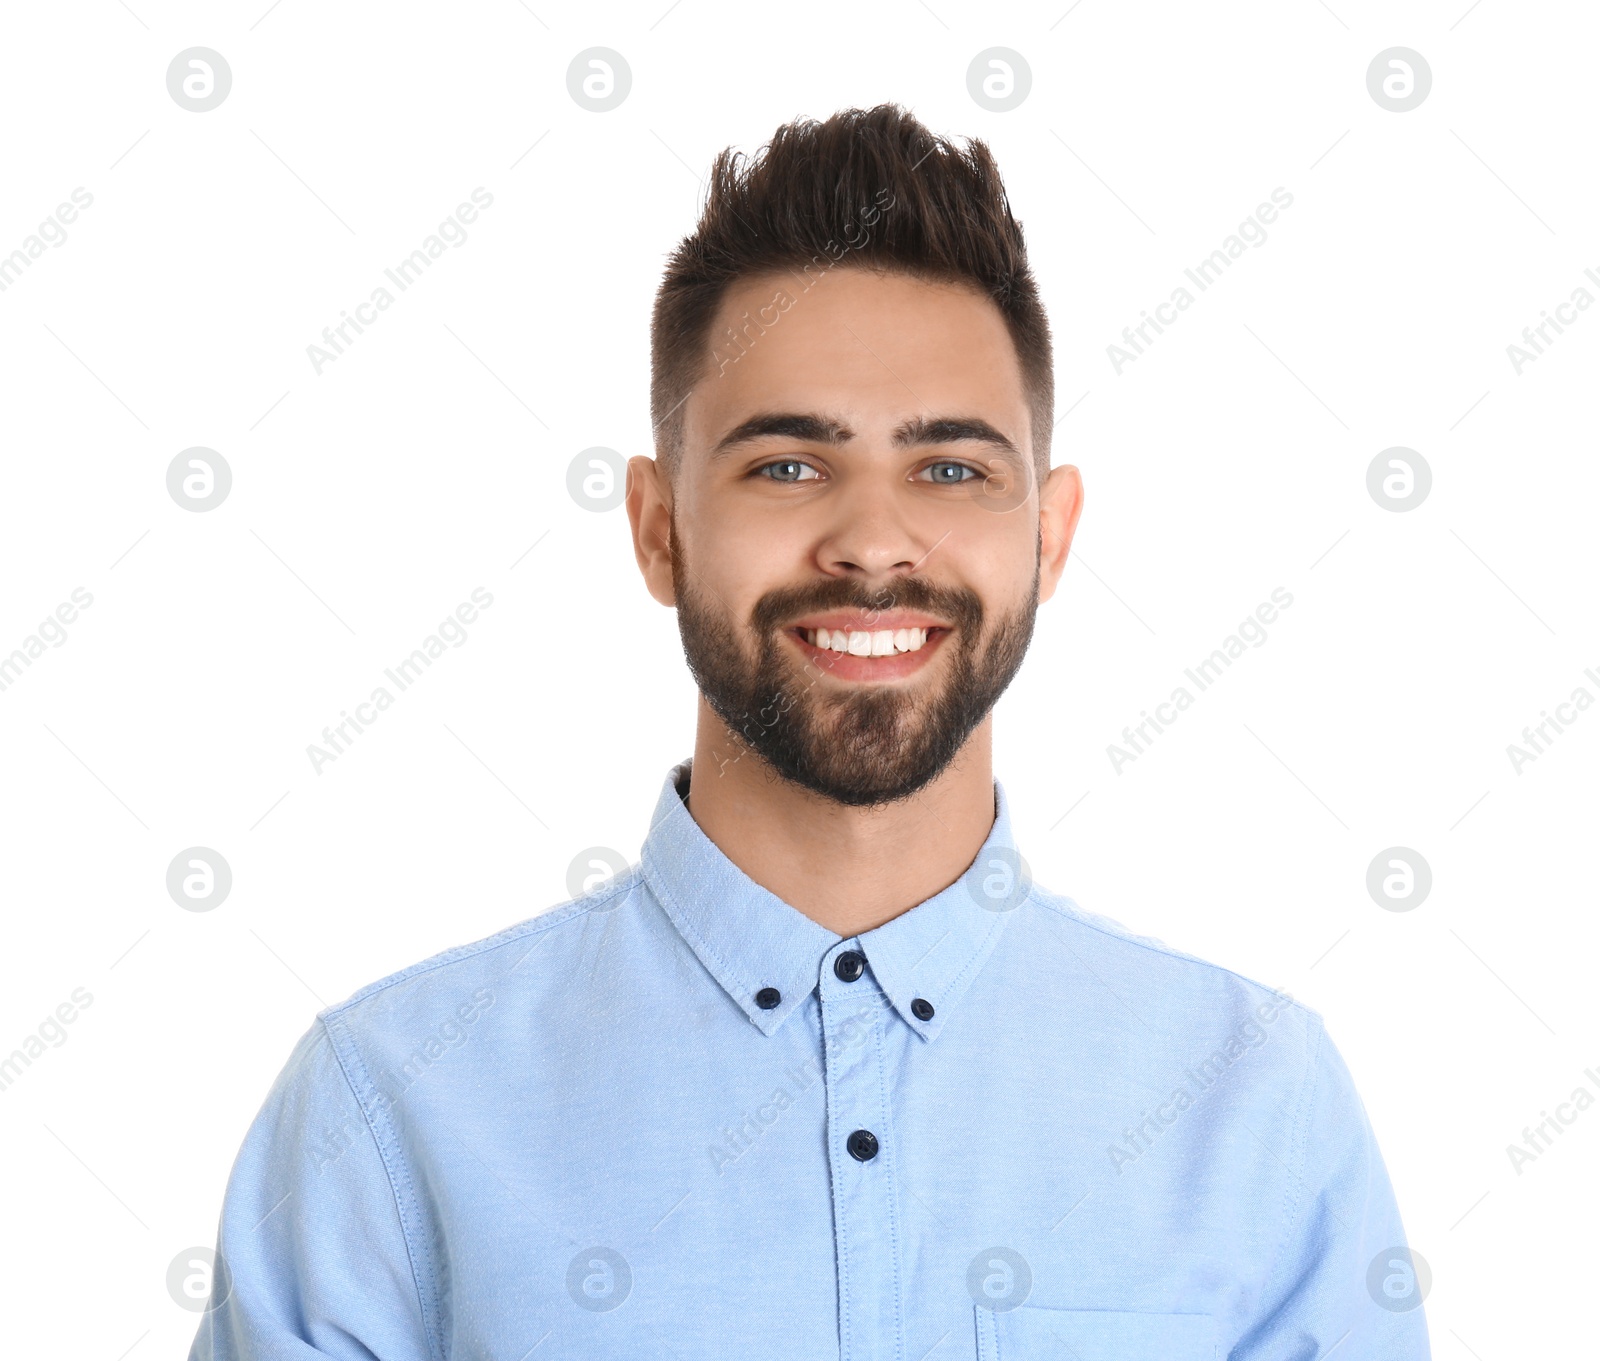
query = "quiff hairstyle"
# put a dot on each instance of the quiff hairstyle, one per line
(803, 205)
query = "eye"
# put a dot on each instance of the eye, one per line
(947, 473)
(786, 470)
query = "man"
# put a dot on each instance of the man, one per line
(825, 1074)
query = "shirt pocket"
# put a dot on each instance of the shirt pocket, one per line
(1034, 1333)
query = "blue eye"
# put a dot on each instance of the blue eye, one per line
(788, 466)
(959, 468)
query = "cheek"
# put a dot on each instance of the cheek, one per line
(1001, 565)
(739, 546)
(733, 560)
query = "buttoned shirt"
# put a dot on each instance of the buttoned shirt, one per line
(675, 1117)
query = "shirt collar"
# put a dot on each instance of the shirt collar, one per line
(749, 939)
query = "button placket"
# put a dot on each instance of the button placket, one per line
(861, 1159)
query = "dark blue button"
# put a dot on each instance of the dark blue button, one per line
(863, 1145)
(922, 1008)
(768, 998)
(850, 965)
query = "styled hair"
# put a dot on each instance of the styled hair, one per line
(867, 188)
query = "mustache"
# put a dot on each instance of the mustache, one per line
(961, 607)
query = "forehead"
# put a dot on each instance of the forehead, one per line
(877, 347)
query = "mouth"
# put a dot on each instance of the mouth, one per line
(877, 654)
(868, 642)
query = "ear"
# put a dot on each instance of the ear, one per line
(648, 495)
(1060, 503)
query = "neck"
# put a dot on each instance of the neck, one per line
(848, 869)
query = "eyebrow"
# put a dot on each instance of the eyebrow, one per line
(817, 429)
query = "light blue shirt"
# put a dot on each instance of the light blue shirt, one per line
(658, 1121)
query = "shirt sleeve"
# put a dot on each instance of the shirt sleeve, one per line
(312, 1258)
(1344, 1275)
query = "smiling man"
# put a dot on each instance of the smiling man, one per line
(826, 1073)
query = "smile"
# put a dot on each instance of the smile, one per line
(863, 655)
(877, 643)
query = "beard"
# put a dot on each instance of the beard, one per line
(862, 743)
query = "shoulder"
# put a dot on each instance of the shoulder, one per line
(466, 980)
(1167, 991)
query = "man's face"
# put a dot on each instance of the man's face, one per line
(858, 482)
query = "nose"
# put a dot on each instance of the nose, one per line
(874, 534)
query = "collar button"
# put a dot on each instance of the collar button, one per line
(922, 1008)
(768, 998)
(850, 965)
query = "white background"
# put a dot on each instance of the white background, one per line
(431, 458)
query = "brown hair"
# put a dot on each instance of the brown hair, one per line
(871, 188)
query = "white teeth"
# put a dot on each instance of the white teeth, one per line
(874, 643)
